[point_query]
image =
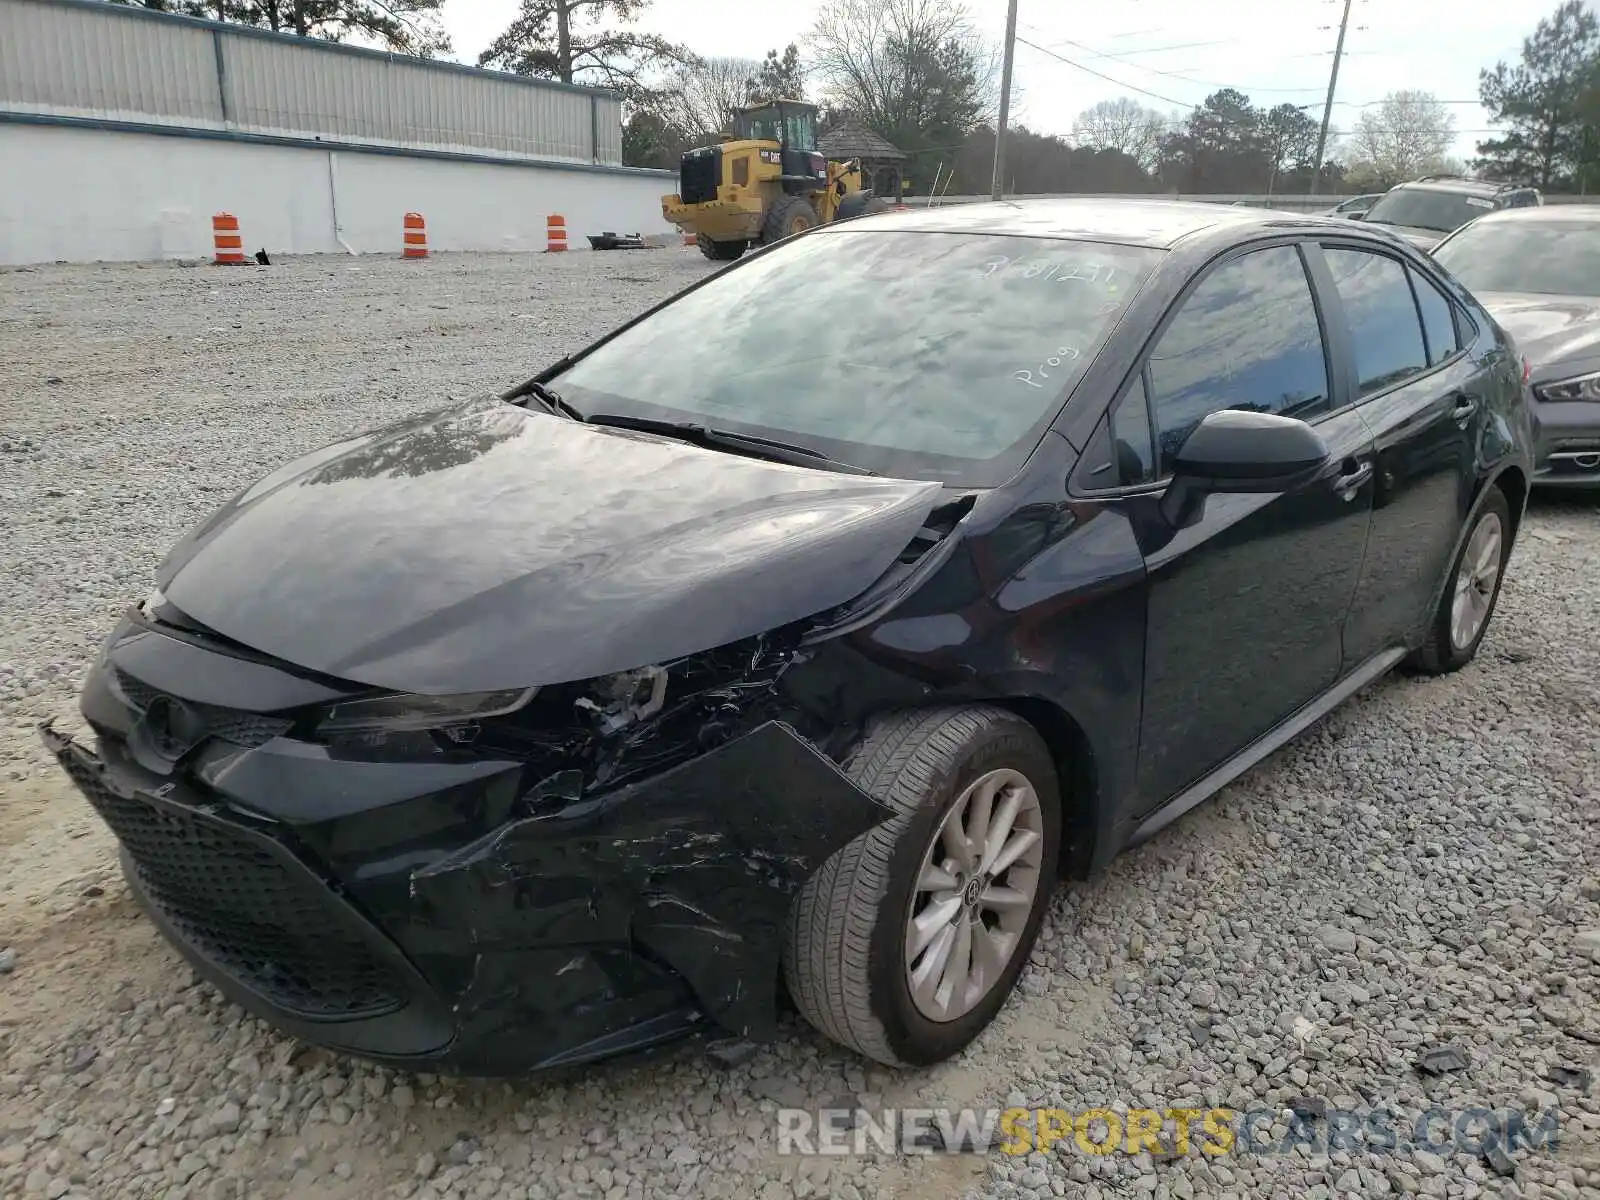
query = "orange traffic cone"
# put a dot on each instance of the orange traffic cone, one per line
(226, 240)
(416, 237)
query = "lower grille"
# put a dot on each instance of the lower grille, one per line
(246, 906)
(700, 175)
(230, 724)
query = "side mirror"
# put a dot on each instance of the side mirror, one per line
(1357, 216)
(1237, 451)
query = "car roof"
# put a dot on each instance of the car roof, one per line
(1546, 214)
(1157, 223)
(1473, 187)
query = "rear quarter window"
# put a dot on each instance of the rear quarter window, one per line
(1382, 313)
(1438, 318)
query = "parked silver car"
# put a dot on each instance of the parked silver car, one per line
(1355, 206)
(1537, 271)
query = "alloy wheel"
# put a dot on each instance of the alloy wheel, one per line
(1476, 577)
(977, 885)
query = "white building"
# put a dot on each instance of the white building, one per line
(122, 131)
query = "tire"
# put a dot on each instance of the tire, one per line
(860, 204)
(790, 215)
(845, 957)
(1445, 650)
(720, 251)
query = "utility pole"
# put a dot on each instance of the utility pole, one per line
(1327, 109)
(995, 187)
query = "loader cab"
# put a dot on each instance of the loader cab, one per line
(790, 123)
(793, 125)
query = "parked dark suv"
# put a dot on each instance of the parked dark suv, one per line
(804, 630)
(1424, 211)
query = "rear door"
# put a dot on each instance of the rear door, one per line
(1246, 606)
(1425, 401)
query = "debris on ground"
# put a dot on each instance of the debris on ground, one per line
(1442, 1059)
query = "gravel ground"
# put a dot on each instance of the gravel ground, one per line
(1421, 868)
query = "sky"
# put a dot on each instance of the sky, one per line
(1276, 51)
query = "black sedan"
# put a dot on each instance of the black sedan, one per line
(1537, 271)
(790, 642)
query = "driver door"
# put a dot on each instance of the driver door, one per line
(1246, 606)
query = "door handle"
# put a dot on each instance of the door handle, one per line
(1465, 405)
(1351, 479)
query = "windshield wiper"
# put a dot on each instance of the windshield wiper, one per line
(547, 397)
(725, 439)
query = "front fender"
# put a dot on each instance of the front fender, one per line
(697, 866)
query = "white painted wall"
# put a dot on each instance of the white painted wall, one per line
(83, 195)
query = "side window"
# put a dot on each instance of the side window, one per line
(1247, 337)
(1383, 317)
(1130, 437)
(1121, 451)
(1438, 319)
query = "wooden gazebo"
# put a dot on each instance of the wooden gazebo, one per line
(882, 162)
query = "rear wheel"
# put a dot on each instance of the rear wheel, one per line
(721, 251)
(906, 943)
(789, 216)
(1462, 617)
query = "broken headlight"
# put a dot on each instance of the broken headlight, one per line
(400, 711)
(619, 700)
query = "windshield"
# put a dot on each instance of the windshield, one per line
(1560, 258)
(922, 355)
(801, 130)
(1424, 209)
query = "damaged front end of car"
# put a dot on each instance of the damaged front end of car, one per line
(484, 883)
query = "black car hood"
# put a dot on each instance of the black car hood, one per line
(491, 547)
(1548, 329)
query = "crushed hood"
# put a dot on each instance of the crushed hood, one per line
(491, 547)
(1550, 330)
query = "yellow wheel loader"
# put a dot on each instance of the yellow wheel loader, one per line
(764, 181)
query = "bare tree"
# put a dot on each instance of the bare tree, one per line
(916, 71)
(1125, 126)
(1405, 135)
(585, 41)
(405, 26)
(701, 98)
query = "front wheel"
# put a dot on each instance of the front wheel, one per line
(906, 942)
(721, 251)
(789, 216)
(1462, 617)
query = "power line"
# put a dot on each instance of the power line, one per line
(1101, 75)
(1125, 54)
(1141, 49)
(1185, 78)
(1190, 103)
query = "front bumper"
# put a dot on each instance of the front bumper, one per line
(1568, 444)
(720, 220)
(436, 922)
